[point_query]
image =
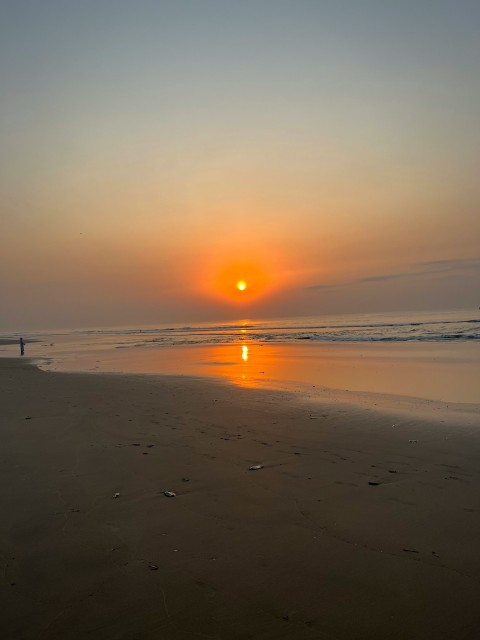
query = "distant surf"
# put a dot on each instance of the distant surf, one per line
(438, 326)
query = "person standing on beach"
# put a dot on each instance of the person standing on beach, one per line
(22, 346)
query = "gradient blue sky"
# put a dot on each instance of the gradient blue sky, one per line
(149, 147)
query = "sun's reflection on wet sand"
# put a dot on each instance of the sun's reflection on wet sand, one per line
(400, 370)
(430, 371)
(239, 363)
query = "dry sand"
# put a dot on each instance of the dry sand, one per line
(349, 531)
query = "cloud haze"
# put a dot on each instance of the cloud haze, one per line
(447, 268)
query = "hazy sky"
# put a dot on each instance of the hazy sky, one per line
(154, 152)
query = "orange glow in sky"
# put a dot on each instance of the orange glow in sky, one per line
(241, 282)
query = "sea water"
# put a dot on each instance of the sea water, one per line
(433, 355)
(389, 327)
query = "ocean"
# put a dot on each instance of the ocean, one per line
(387, 327)
(433, 355)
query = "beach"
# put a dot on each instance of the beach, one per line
(362, 521)
(240, 320)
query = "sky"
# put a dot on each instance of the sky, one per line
(154, 153)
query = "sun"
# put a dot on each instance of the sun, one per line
(241, 285)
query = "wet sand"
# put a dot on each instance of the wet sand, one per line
(362, 524)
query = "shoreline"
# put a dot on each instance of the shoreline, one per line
(438, 372)
(351, 529)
